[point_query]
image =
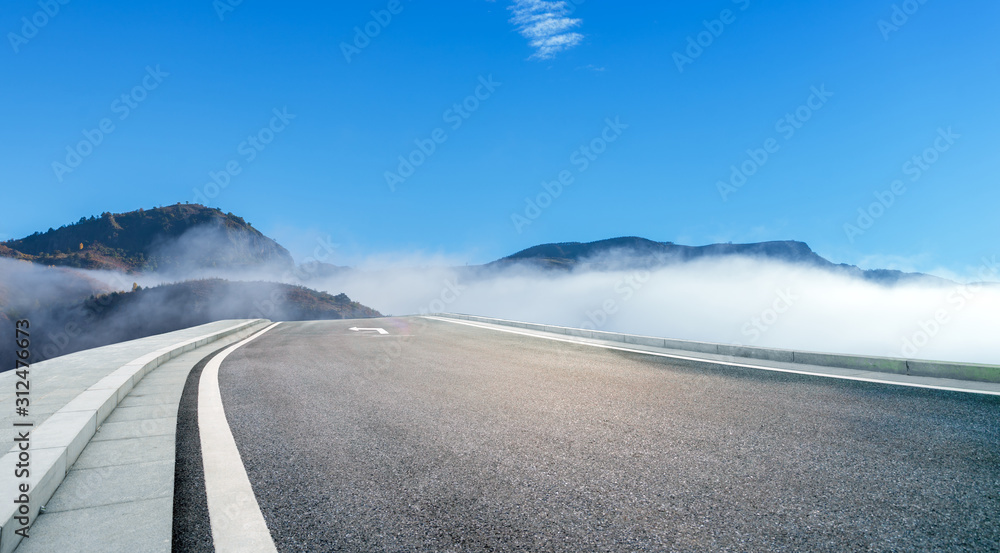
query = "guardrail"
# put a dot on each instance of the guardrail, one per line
(914, 367)
(57, 442)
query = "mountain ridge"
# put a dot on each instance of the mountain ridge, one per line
(158, 239)
(81, 321)
(633, 252)
(181, 237)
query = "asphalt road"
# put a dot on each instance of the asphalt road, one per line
(442, 437)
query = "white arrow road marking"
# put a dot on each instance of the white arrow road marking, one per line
(379, 330)
(237, 523)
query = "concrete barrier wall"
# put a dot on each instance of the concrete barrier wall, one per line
(56, 442)
(915, 367)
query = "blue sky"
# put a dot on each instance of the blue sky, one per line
(200, 78)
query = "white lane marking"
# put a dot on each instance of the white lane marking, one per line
(237, 523)
(720, 362)
(379, 330)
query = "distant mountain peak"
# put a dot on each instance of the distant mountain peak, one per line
(563, 253)
(155, 239)
(633, 252)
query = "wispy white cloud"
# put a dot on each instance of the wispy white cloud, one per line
(546, 25)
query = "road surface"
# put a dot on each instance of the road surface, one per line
(445, 437)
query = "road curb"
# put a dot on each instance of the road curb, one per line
(58, 441)
(912, 367)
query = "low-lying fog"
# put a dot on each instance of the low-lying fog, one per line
(729, 300)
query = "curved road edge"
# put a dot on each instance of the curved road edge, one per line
(60, 439)
(654, 346)
(237, 523)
